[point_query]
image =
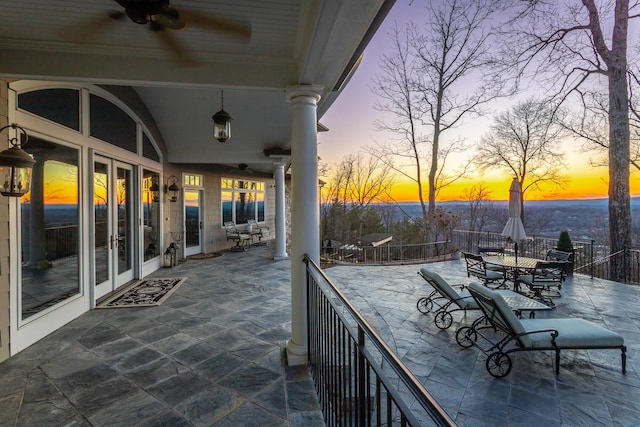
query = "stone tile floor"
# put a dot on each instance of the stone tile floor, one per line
(589, 391)
(212, 355)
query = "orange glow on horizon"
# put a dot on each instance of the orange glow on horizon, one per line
(582, 185)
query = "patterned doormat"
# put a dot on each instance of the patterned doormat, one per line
(144, 293)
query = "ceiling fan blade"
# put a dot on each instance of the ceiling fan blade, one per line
(91, 28)
(219, 24)
(170, 19)
(179, 51)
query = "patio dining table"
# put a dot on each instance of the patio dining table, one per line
(514, 266)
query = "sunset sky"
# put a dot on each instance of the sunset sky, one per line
(350, 122)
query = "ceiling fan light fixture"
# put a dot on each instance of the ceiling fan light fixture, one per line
(222, 124)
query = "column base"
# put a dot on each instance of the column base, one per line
(296, 354)
(281, 257)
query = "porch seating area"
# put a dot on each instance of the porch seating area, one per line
(590, 388)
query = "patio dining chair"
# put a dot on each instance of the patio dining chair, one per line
(477, 267)
(257, 230)
(516, 334)
(241, 239)
(544, 282)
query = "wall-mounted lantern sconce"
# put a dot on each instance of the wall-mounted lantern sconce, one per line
(222, 123)
(155, 191)
(15, 166)
(172, 188)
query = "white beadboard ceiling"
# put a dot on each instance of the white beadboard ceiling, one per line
(292, 42)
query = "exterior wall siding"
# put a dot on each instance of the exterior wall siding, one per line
(4, 234)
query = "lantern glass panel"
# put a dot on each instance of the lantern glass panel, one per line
(15, 181)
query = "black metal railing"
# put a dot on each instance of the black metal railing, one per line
(385, 254)
(359, 380)
(607, 267)
(534, 247)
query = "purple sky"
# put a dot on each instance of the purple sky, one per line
(350, 119)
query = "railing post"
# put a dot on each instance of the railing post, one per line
(361, 375)
(591, 256)
(625, 263)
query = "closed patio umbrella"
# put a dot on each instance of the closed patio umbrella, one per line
(514, 229)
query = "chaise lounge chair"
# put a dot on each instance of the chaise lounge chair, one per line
(531, 334)
(447, 299)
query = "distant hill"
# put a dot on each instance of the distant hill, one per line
(585, 219)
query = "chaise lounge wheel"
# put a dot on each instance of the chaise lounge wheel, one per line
(443, 319)
(499, 364)
(424, 305)
(466, 337)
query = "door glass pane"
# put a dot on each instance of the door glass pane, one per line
(49, 235)
(151, 213)
(192, 218)
(101, 221)
(123, 194)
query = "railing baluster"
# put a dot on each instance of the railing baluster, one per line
(346, 358)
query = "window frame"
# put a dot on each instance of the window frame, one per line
(232, 187)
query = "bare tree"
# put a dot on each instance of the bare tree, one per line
(356, 183)
(421, 84)
(481, 208)
(524, 142)
(569, 45)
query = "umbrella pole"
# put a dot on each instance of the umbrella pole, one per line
(516, 249)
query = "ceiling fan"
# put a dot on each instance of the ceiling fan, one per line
(161, 18)
(244, 168)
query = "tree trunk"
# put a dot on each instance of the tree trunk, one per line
(619, 199)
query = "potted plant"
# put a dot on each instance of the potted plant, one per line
(564, 242)
(565, 245)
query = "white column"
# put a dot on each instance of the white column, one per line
(305, 216)
(281, 227)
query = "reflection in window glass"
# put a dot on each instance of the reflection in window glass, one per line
(58, 105)
(109, 123)
(260, 201)
(227, 206)
(242, 200)
(245, 207)
(151, 213)
(148, 150)
(192, 180)
(49, 228)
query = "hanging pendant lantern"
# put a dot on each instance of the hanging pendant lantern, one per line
(15, 167)
(222, 123)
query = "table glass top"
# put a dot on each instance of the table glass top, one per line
(510, 261)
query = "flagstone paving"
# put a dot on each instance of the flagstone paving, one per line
(590, 389)
(212, 354)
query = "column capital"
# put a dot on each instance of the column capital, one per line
(306, 91)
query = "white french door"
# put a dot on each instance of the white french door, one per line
(192, 222)
(113, 225)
